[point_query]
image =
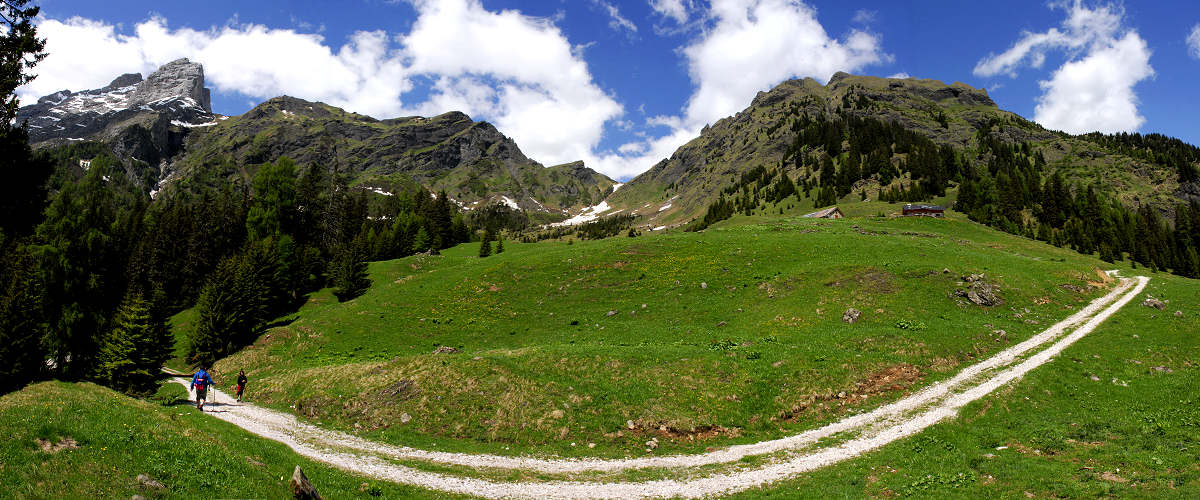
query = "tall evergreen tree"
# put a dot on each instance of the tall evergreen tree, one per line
(133, 351)
(83, 268)
(273, 208)
(20, 51)
(350, 272)
(485, 245)
(22, 324)
(234, 304)
(23, 192)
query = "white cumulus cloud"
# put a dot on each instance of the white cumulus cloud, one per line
(748, 46)
(1094, 89)
(1088, 95)
(517, 71)
(1193, 41)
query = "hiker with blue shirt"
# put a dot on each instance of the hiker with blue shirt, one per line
(200, 382)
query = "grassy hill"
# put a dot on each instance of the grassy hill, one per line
(86, 441)
(741, 339)
(701, 339)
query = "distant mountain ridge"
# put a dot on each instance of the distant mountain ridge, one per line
(679, 188)
(472, 161)
(165, 123)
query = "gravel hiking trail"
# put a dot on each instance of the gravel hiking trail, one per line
(789, 456)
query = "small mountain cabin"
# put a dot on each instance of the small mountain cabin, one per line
(924, 210)
(828, 213)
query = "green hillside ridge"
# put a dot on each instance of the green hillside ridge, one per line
(741, 337)
(955, 116)
(100, 441)
(472, 161)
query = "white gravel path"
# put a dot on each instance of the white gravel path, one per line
(897, 420)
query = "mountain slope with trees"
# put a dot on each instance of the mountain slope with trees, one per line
(911, 140)
(472, 161)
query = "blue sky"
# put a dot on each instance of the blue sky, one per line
(622, 83)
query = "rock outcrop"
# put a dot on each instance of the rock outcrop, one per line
(175, 92)
(301, 488)
(142, 121)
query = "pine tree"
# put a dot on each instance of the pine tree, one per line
(83, 267)
(273, 209)
(22, 325)
(20, 51)
(350, 272)
(421, 241)
(221, 315)
(500, 243)
(826, 196)
(234, 305)
(485, 245)
(133, 351)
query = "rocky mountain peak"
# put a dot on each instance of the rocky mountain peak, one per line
(174, 94)
(124, 81)
(180, 78)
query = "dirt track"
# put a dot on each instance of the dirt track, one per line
(871, 430)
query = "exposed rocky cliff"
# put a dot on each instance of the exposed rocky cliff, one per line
(141, 119)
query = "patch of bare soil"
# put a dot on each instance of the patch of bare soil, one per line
(1112, 477)
(893, 378)
(63, 444)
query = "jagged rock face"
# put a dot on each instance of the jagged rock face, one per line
(173, 94)
(179, 79)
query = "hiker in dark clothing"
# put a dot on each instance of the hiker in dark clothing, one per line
(241, 384)
(200, 382)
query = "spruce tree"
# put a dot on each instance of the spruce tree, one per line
(234, 305)
(273, 209)
(22, 325)
(421, 241)
(485, 246)
(83, 268)
(133, 351)
(221, 315)
(350, 272)
(20, 51)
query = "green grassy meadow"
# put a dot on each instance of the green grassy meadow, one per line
(740, 339)
(1134, 433)
(115, 438)
(703, 339)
